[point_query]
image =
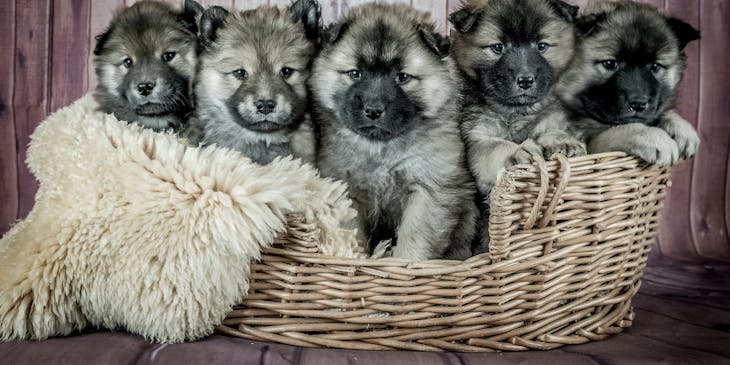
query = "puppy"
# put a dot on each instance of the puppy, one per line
(622, 83)
(251, 87)
(145, 63)
(510, 54)
(386, 93)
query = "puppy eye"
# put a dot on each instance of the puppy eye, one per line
(286, 72)
(168, 56)
(542, 47)
(609, 65)
(127, 62)
(355, 74)
(403, 78)
(497, 48)
(656, 67)
(240, 74)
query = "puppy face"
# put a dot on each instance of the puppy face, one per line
(254, 64)
(146, 61)
(383, 71)
(628, 65)
(513, 50)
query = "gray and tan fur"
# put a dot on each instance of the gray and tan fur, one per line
(251, 86)
(623, 80)
(510, 54)
(386, 97)
(145, 64)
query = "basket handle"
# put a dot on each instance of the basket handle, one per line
(549, 213)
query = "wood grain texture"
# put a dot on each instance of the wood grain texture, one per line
(30, 101)
(675, 239)
(248, 4)
(100, 14)
(709, 174)
(8, 153)
(36, 79)
(438, 10)
(68, 52)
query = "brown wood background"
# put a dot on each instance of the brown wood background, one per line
(47, 63)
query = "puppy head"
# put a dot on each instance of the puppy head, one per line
(513, 50)
(255, 64)
(145, 61)
(628, 64)
(384, 71)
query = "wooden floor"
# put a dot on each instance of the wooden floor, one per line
(682, 317)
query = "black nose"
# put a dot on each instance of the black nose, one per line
(145, 88)
(638, 104)
(265, 106)
(525, 81)
(373, 112)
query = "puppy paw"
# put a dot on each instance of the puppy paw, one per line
(524, 153)
(383, 249)
(682, 133)
(565, 145)
(654, 146)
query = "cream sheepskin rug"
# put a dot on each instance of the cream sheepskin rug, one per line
(136, 230)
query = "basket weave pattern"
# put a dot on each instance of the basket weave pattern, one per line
(569, 240)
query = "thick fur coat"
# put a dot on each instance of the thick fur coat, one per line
(135, 230)
(251, 86)
(145, 62)
(384, 87)
(510, 54)
(623, 80)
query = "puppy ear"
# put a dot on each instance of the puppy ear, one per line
(586, 24)
(101, 40)
(463, 20)
(684, 32)
(333, 32)
(436, 42)
(564, 10)
(191, 15)
(213, 19)
(307, 12)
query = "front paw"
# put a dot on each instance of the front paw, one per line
(524, 153)
(567, 146)
(683, 134)
(654, 146)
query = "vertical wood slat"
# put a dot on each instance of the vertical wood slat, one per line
(30, 99)
(100, 14)
(68, 52)
(675, 238)
(438, 10)
(707, 212)
(8, 153)
(451, 6)
(248, 4)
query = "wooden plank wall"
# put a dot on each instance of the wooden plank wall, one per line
(52, 65)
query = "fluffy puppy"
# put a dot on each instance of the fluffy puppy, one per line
(386, 97)
(510, 54)
(145, 63)
(251, 85)
(624, 79)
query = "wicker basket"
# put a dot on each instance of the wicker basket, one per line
(569, 241)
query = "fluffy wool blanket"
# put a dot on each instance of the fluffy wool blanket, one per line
(136, 230)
